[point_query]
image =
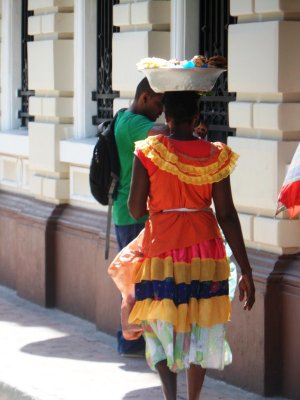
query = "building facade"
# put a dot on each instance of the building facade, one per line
(62, 68)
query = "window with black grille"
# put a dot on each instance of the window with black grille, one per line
(104, 95)
(24, 93)
(214, 19)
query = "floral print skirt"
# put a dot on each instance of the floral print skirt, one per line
(206, 347)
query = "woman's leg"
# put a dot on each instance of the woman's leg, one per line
(195, 378)
(168, 380)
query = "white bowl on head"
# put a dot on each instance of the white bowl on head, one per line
(178, 79)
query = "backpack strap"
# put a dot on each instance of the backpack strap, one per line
(112, 190)
(109, 214)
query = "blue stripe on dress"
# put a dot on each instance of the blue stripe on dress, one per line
(180, 293)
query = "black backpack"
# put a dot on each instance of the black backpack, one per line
(105, 170)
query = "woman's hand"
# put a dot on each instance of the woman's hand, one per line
(130, 331)
(247, 290)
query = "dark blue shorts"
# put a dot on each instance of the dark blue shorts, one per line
(125, 234)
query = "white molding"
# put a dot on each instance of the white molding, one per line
(76, 195)
(10, 63)
(15, 183)
(15, 142)
(77, 151)
(25, 174)
(85, 62)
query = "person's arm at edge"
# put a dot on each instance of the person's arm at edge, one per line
(228, 220)
(139, 190)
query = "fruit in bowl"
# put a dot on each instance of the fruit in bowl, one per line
(198, 74)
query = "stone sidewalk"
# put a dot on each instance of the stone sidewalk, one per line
(46, 354)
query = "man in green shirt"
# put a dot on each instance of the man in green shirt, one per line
(132, 125)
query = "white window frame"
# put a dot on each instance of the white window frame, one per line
(11, 79)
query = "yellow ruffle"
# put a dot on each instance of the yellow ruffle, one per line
(156, 268)
(192, 169)
(167, 161)
(204, 312)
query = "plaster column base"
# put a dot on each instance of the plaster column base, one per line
(264, 341)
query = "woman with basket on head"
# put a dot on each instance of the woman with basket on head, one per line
(178, 263)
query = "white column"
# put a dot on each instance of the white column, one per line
(85, 62)
(178, 20)
(184, 28)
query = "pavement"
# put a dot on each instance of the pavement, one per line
(46, 354)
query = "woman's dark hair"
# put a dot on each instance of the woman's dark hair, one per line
(181, 106)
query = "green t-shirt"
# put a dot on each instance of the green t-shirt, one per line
(129, 128)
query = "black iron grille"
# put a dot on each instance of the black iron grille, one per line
(24, 92)
(214, 19)
(105, 29)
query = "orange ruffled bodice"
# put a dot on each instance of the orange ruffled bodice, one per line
(181, 179)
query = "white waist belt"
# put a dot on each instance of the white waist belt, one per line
(183, 209)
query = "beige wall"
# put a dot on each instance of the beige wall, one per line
(144, 31)
(51, 76)
(263, 69)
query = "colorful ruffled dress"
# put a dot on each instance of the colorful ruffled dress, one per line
(289, 196)
(181, 279)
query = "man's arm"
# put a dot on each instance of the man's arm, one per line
(139, 190)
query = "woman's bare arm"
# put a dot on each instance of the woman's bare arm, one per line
(139, 190)
(229, 222)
